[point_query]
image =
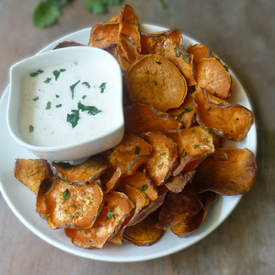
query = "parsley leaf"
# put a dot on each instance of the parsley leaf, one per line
(35, 98)
(110, 214)
(31, 128)
(66, 194)
(72, 87)
(57, 73)
(87, 84)
(47, 80)
(58, 105)
(144, 187)
(92, 110)
(102, 87)
(73, 118)
(45, 14)
(36, 73)
(137, 150)
(49, 105)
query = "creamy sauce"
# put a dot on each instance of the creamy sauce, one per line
(46, 103)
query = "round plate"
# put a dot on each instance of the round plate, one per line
(22, 201)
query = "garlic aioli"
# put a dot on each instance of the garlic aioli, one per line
(65, 104)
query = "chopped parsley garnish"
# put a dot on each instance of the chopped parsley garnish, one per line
(83, 97)
(137, 150)
(36, 73)
(31, 128)
(207, 140)
(210, 108)
(156, 83)
(188, 109)
(49, 105)
(169, 180)
(92, 110)
(110, 214)
(35, 98)
(57, 96)
(185, 110)
(196, 146)
(158, 62)
(72, 87)
(182, 126)
(102, 87)
(144, 187)
(162, 4)
(57, 73)
(73, 117)
(212, 133)
(47, 80)
(58, 105)
(75, 215)
(85, 83)
(66, 194)
(215, 94)
(183, 154)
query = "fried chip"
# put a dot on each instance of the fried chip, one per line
(194, 145)
(32, 172)
(144, 233)
(231, 175)
(177, 184)
(110, 179)
(222, 119)
(155, 80)
(163, 158)
(199, 51)
(130, 154)
(185, 114)
(74, 206)
(141, 118)
(177, 206)
(88, 171)
(115, 210)
(212, 76)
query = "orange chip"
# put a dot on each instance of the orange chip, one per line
(230, 175)
(212, 76)
(141, 118)
(75, 206)
(222, 119)
(111, 179)
(115, 210)
(130, 154)
(177, 184)
(199, 51)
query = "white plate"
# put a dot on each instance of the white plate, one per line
(22, 201)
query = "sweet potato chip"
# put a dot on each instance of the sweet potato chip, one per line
(185, 114)
(104, 35)
(222, 119)
(177, 206)
(144, 233)
(140, 181)
(131, 153)
(199, 51)
(32, 172)
(212, 76)
(110, 179)
(177, 184)
(232, 175)
(88, 171)
(163, 157)
(74, 206)
(194, 144)
(141, 118)
(115, 210)
(155, 80)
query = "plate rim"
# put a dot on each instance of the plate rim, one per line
(124, 259)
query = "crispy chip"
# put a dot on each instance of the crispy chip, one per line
(177, 184)
(177, 206)
(115, 210)
(144, 233)
(212, 76)
(163, 158)
(155, 80)
(185, 114)
(222, 119)
(110, 179)
(32, 172)
(231, 175)
(131, 153)
(199, 51)
(141, 118)
(88, 171)
(74, 206)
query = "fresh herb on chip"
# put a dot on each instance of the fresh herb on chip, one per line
(66, 194)
(110, 215)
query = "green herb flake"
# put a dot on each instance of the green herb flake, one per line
(212, 133)
(196, 146)
(87, 84)
(169, 180)
(57, 73)
(156, 83)
(183, 154)
(48, 80)
(67, 181)
(137, 150)
(110, 214)
(75, 215)
(92, 110)
(48, 106)
(83, 97)
(182, 126)
(72, 87)
(215, 94)
(144, 187)
(66, 194)
(58, 105)
(207, 140)
(35, 98)
(210, 108)
(57, 96)
(162, 4)
(31, 128)
(188, 109)
(158, 62)
(73, 117)
(102, 87)
(36, 73)
(45, 14)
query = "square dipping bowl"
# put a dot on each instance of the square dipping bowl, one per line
(107, 136)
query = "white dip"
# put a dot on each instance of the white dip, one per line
(47, 104)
